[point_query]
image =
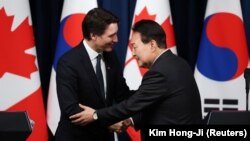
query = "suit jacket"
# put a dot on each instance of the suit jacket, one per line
(168, 95)
(77, 83)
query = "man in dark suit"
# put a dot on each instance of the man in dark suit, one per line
(77, 81)
(168, 94)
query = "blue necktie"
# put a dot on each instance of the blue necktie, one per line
(99, 74)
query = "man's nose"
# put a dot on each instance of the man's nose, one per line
(133, 52)
(115, 39)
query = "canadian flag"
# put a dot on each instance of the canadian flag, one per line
(70, 34)
(20, 87)
(222, 57)
(160, 12)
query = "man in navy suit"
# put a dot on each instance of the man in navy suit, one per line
(77, 82)
(168, 94)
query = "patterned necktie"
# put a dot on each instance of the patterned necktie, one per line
(99, 74)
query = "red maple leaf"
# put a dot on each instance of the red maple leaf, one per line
(166, 25)
(13, 44)
(169, 29)
(144, 15)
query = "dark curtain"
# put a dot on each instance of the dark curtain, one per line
(245, 5)
(187, 18)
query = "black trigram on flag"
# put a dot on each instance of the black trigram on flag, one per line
(215, 104)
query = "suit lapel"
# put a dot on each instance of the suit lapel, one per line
(90, 71)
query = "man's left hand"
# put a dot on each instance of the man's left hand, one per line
(83, 118)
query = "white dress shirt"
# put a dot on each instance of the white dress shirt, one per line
(93, 58)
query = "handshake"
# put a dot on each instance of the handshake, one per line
(121, 126)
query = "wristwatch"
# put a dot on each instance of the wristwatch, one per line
(95, 117)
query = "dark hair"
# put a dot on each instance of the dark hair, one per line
(96, 21)
(150, 30)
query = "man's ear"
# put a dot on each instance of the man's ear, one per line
(93, 36)
(153, 45)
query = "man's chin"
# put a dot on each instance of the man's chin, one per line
(143, 65)
(140, 64)
(108, 49)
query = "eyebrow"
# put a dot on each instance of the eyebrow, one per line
(113, 34)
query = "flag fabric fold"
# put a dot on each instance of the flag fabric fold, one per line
(160, 12)
(20, 86)
(222, 57)
(70, 34)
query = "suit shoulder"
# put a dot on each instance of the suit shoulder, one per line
(72, 53)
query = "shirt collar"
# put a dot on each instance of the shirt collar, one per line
(159, 55)
(92, 53)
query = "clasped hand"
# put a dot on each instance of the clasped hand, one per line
(120, 126)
